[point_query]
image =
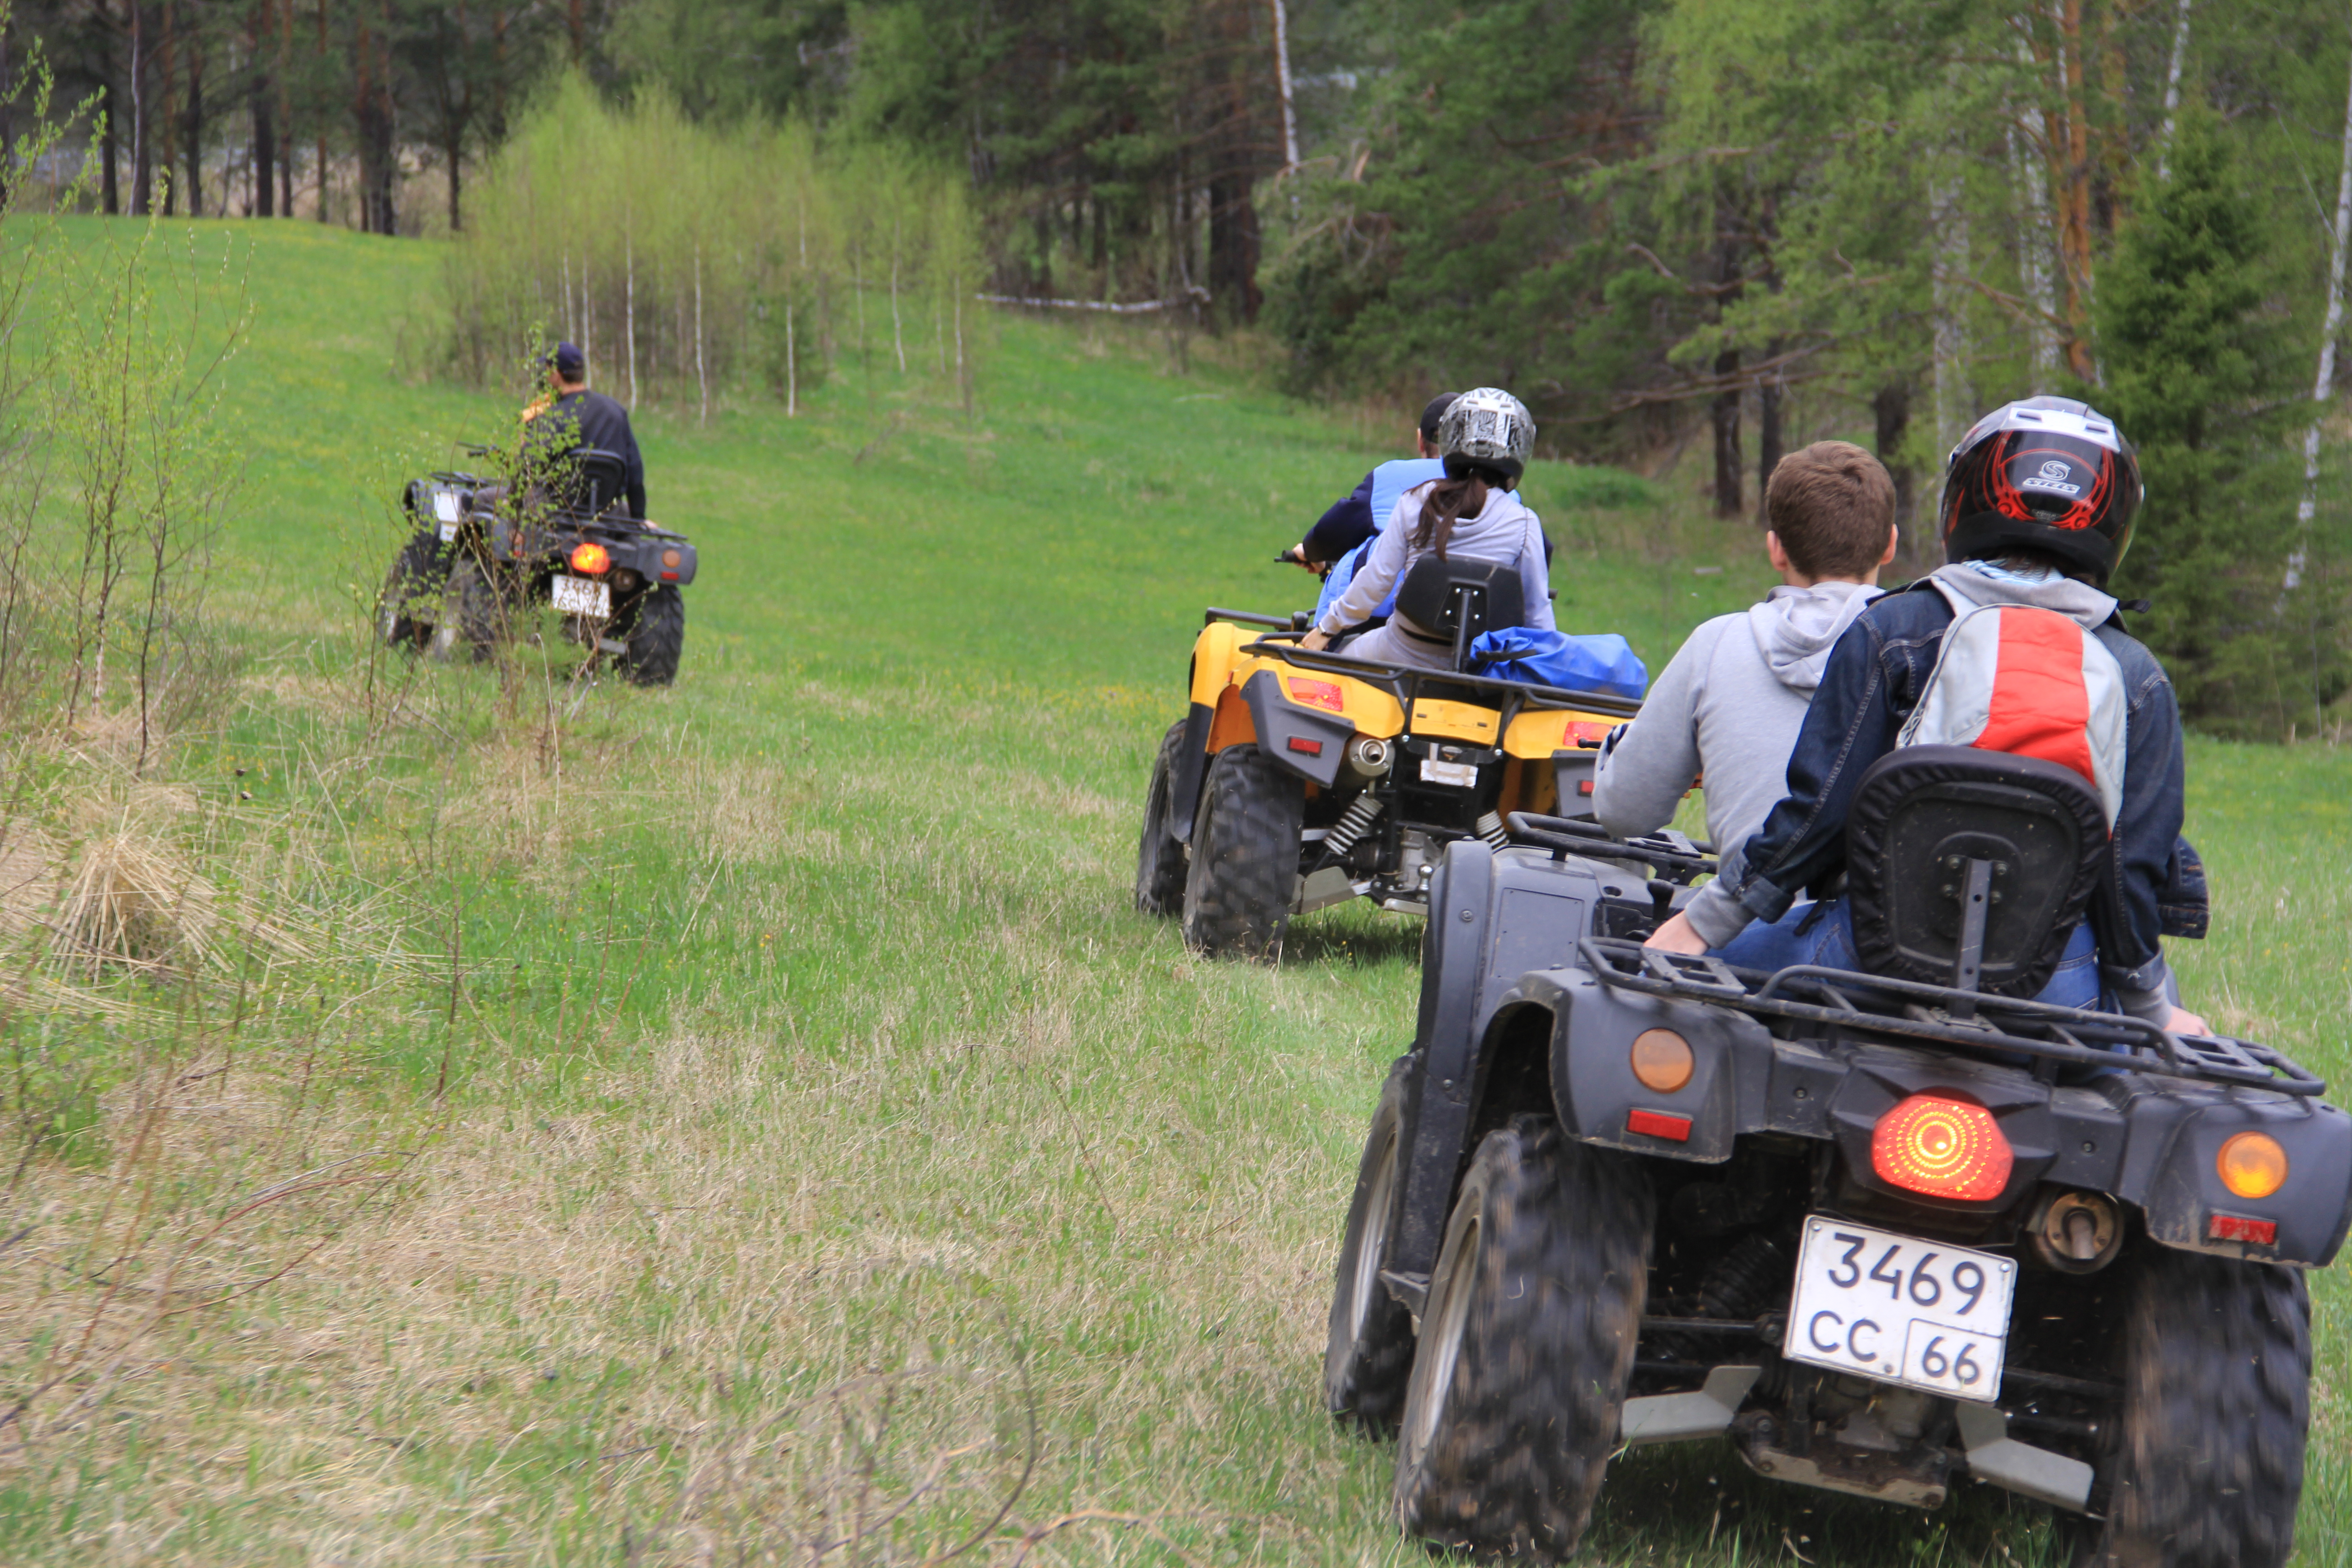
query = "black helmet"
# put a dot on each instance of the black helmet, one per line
(2048, 474)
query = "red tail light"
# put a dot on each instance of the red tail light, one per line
(1323, 694)
(591, 558)
(1942, 1148)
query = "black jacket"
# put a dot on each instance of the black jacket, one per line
(586, 418)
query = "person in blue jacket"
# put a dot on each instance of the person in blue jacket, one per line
(1356, 518)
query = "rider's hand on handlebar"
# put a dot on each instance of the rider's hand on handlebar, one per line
(1315, 641)
(1296, 556)
(1677, 936)
(2184, 1022)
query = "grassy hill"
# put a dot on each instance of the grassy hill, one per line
(779, 1138)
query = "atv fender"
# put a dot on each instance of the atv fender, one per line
(1598, 1100)
(1213, 652)
(1492, 918)
(2179, 1190)
(1308, 743)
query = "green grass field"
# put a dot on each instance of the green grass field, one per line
(798, 1149)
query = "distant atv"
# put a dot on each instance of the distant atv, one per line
(1884, 1230)
(1300, 779)
(481, 557)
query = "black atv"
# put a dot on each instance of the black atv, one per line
(1883, 1231)
(482, 554)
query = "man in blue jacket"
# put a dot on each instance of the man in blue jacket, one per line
(1357, 517)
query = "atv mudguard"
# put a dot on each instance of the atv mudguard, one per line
(1509, 1020)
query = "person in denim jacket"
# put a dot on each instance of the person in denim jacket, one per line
(2037, 509)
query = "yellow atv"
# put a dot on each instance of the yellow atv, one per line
(1300, 779)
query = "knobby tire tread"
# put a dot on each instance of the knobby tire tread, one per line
(1158, 859)
(1517, 1456)
(1365, 1373)
(1245, 865)
(474, 613)
(2208, 1468)
(417, 575)
(656, 637)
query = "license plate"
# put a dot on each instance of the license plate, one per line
(1901, 1309)
(1461, 775)
(448, 531)
(448, 506)
(580, 596)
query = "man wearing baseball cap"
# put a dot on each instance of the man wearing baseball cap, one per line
(575, 417)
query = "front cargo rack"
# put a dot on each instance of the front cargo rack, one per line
(1869, 1006)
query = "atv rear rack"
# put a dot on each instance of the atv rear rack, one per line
(1875, 1006)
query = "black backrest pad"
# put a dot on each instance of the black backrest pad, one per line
(1428, 595)
(602, 477)
(1921, 813)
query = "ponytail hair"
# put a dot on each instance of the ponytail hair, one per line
(1449, 500)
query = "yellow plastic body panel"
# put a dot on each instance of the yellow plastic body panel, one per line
(1214, 653)
(1433, 717)
(1541, 734)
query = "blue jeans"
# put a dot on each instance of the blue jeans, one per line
(1829, 942)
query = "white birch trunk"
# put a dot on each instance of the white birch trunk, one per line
(2027, 168)
(2172, 92)
(1282, 77)
(897, 331)
(629, 314)
(2323, 386)
(569, 326)
(792, 366)
(587, 316)
(701, 371)
(1947, 275)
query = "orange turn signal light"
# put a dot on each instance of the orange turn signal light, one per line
(1942, 1147)
(2252, 1165)
(1662, 1060)
(592, 558)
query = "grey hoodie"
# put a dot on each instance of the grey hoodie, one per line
(1731, 703)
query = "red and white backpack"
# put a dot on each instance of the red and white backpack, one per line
(2031, 682)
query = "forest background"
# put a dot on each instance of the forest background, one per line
(1690, 233)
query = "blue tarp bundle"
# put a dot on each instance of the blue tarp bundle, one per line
(1599, 663)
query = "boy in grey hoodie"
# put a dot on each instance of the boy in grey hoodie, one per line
(1731, 702)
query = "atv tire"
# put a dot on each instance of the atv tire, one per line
(1526, 1345)
(1367, 1354)
(1158, 859)
(1245, 865)
(414, 581)
(473, 613)
(2207, 1465)
(655, 637)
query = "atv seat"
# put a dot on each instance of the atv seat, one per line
(598, 482)
(1458, 601)
(1970, 868)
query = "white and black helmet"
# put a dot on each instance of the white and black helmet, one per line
(1487, 429)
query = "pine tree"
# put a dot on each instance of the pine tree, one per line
(2188, 358)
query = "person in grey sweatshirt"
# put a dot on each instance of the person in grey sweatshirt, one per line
(1730, 703)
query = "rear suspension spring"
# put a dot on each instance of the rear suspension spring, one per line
(1353, 824)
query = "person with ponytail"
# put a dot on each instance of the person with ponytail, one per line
(1470, 514)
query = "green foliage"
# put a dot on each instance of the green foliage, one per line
(2188, 357)
(682, 255)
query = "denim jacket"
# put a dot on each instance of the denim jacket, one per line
(1874, 679)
